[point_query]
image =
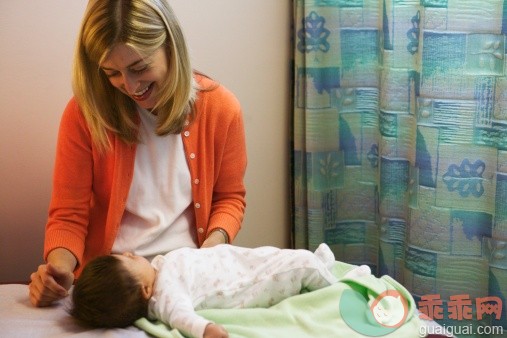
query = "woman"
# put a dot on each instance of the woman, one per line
(150, 155)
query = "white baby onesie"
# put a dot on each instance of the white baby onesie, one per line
(227, 276)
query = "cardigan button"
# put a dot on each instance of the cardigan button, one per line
(196, 181)
(197, 205)
(192, 156)
(200, 230)
(187, 133)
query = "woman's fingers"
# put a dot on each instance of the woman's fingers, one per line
(44, 290)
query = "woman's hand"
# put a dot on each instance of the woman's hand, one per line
(215, 331)
(49, 284)
(215, 238)
(52, 281)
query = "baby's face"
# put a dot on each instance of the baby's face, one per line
(139, 267)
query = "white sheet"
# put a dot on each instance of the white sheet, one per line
(18, 318)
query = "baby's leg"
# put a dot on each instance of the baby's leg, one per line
(325, 254)
(286, 273)
(360, 271)
(315, 272)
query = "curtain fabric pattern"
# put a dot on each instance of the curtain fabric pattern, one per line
(400, 140)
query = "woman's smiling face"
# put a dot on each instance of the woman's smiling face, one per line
(137, 77)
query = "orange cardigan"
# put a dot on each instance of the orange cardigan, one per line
(90, 189)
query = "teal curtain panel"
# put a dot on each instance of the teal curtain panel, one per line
(399, 136)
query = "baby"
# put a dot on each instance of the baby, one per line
(116, 290)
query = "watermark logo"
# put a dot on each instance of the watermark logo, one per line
(389, 310)
(459, 307)
(386, 313)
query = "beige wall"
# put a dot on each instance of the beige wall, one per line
(243, 44)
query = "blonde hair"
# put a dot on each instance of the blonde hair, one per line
(145, 26)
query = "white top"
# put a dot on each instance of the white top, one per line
(227, 276)
(158, 216)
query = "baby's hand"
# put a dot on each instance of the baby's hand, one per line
(215, 331)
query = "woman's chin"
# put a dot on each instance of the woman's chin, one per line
(147, 106)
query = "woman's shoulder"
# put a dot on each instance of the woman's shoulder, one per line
(72, 106)
(213, 91)
(216, 105)
(72, 113)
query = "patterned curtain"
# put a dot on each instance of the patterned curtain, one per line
(400, 144)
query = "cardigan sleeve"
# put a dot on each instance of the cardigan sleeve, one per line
(228, 200)
(72, 179)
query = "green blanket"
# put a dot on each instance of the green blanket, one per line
(339, 310)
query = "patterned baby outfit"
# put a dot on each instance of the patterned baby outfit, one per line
(227, 276)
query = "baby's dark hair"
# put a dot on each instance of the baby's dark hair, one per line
(106, 295)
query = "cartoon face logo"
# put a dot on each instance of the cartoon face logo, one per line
(374, 317)
(390, 309)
